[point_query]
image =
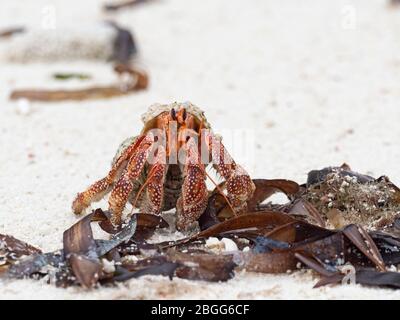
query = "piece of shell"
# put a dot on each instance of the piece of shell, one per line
(156, 109)
(229, 245)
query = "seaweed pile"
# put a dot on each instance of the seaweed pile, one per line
(341, 224)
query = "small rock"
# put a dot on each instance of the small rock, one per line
(229, 244)
(108, 266)
(23, 107)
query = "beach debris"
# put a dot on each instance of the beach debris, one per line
(124, 45)
(9, 32)
(266, 188)
(122, 5)
(129, 74)
(117, 45)
(80, 252)
(138, 81)
(12, 249)
(282, 240)
(105, 41)
(343, 196)
(394, 3)
(203, 266)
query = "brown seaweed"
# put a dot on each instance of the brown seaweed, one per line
(266, 188)
(122, 5)
(203, 266)
(253, 220)
(11, 249)
(80, 251)
(7, 33)
(105, 92)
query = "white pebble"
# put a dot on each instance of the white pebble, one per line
(392, 268)
(229, 244)
(108, 266)
(23, 107)
(130, 259)
(212, 242)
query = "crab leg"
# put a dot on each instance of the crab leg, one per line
(154, 195)
(123, 188)
(239, 185)
(193, 200)
(100, 188)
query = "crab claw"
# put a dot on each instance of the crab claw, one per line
(193, 200)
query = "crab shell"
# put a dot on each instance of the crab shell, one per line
(156, 109)
(150, 116)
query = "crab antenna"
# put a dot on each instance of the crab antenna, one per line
(212, 180)
(220, 191)
(140, 190)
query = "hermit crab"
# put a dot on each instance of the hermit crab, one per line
(164, 168)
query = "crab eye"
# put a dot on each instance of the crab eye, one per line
(173, 114)
(184, 114)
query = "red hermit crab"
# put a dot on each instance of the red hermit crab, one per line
(164, 168)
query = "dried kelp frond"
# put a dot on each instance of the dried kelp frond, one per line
(52, 264)
(266, 188)
(191, 265)
(256, 220)
(269, 262)
(362, 240)
(7, 33)
(165, 269)
(134, 80)
(80, 251)
(219, 210)
(80, 258)
(122, 5)
(209, 217)
(389, 247)
(139, 82)
(203, 266)
(118, 238)
(147, 224)
(12, 249)
(344, 197)
(302, 207)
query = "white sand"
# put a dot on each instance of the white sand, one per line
(299, 75)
